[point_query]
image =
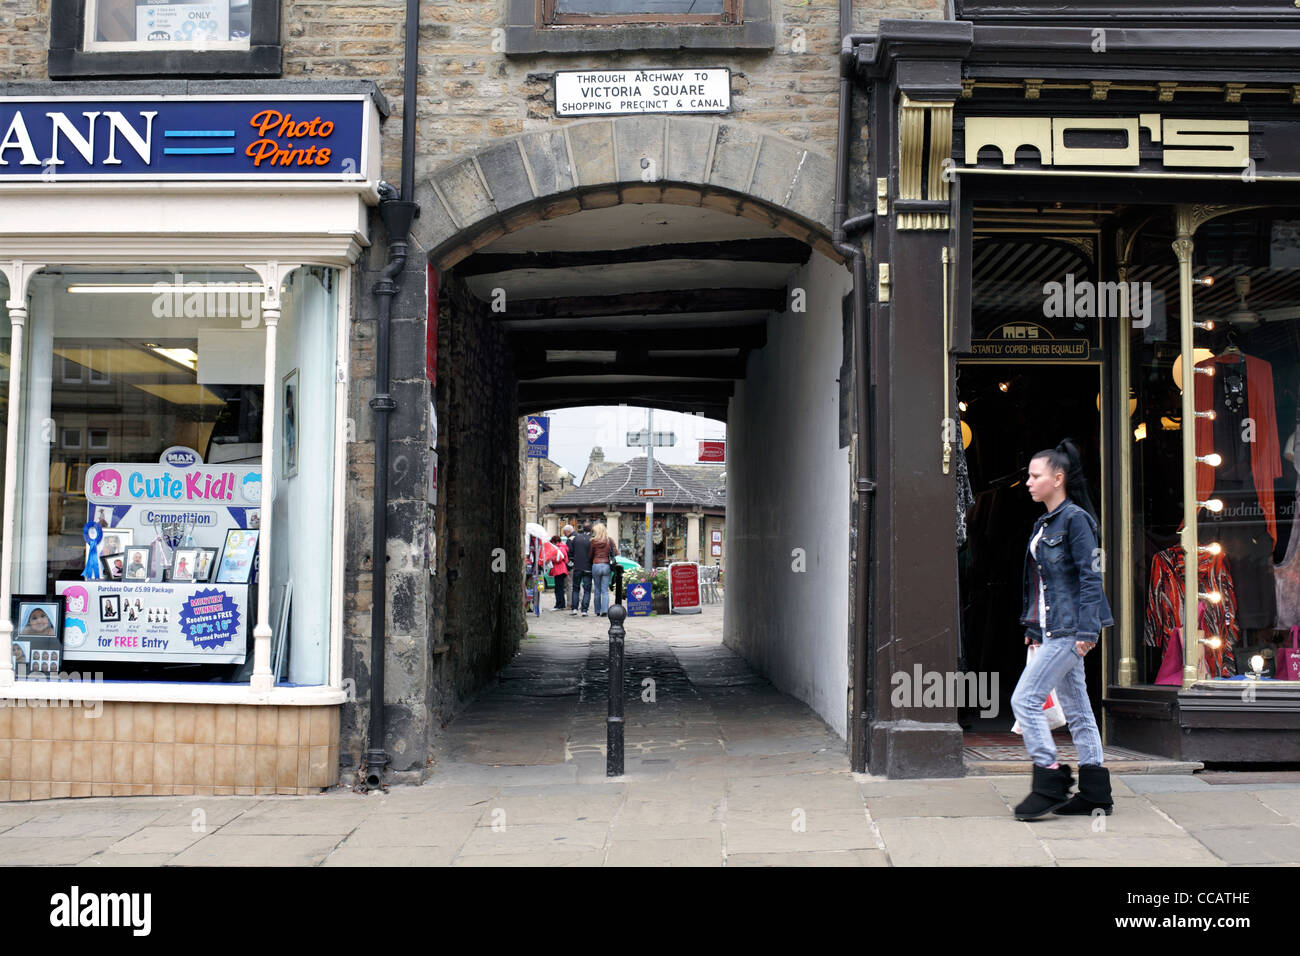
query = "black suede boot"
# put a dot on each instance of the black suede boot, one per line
(1051, 790)
(1094, 793)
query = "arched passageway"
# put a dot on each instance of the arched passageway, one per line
(713, 290)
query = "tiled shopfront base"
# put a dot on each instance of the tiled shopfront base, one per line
(149, 749)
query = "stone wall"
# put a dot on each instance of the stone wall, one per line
(480, 551)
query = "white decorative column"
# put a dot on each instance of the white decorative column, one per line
(611, 525)
(18, 274)
(271, 273)
(693, 536)
(552, 524)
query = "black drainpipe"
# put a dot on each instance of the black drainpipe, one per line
(397, 211)
(863, 389)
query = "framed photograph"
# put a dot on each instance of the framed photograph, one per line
(110, 608)
(204, 562)
(289, 425)
(38, 630)
(113, 565)
(136, 564)
(184, 563)
(236, 566)
(115, 540)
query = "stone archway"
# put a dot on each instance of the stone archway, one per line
(637, 159)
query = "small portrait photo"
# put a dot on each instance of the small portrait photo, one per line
(22, 653)
(131, 613)
(113, 565)
(184, 563)
(137, 564)
(116, 540)
(204, 563)
(110, 608)
(104, 516)
(41, 619)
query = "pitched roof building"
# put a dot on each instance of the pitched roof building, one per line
(689, 517)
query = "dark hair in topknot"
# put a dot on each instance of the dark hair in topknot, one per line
(1064, 458)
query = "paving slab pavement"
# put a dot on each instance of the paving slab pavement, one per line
(722, 769)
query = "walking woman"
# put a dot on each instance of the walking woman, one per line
(603, 551)
(1064, 611)
(560, 571)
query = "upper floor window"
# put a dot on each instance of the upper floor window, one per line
(151, 25)
(640, 11)
(188, 38)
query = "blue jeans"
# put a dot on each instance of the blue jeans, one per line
(581, 584)
(1056, 665)
(600, 582)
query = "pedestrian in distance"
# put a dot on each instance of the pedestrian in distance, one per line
(603, 552)
(580, 574)
(560, 571)
(1064, 609)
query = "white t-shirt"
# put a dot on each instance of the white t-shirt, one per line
(1042, 589)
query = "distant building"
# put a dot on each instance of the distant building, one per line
(689, 520)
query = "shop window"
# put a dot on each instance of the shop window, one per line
(139, 502)
(1246, 303)
(583, 26)
(144, 38)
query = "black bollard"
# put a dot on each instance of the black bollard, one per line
(614, 723)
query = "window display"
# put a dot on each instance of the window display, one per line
(154, 539)
(128, 24)
(1246, 385)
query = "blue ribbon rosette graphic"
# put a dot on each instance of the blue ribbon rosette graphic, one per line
(93, 534)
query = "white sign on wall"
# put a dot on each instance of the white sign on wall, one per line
(610, 92)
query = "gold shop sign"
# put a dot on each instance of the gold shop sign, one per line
(1027, 340)
(1223, 144)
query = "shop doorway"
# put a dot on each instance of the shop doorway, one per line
(1012, 412)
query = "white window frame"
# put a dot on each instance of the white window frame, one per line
(90, 45)
(245, 693)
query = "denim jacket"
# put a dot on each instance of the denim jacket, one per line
(1067, 560)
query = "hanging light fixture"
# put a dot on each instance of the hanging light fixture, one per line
(1198, 356)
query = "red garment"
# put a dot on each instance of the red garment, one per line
(1165, 606)
(1265, 455)
(561, 560)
